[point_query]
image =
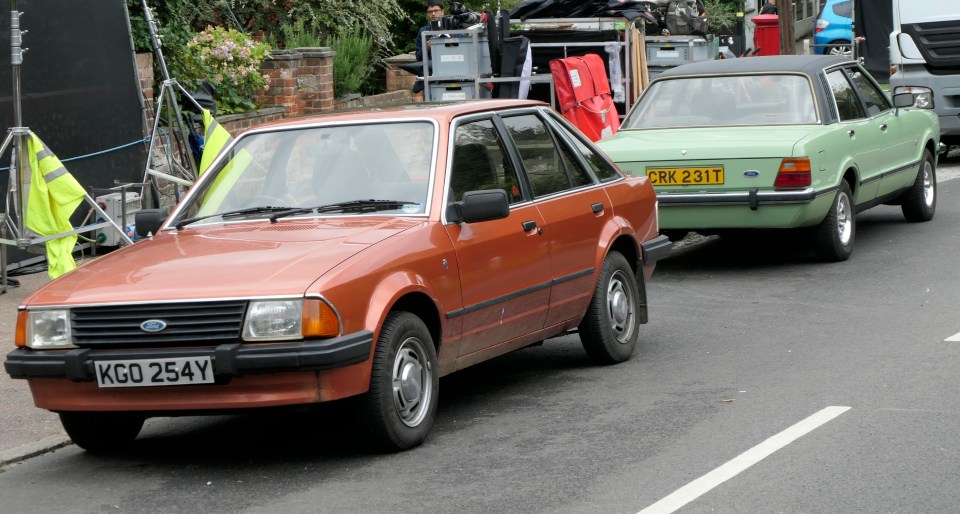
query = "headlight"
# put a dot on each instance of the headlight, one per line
(923, 96)
(48, 329)
(269, 320)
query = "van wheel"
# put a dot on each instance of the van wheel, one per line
(102, 431)
(919, 203)
(402, 402)
(610, 329)
(833, 237)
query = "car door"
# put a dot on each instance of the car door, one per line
(898, 146)
(862, 135)
(574, 209)
(504, 263)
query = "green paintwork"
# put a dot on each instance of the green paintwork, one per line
(882, 161)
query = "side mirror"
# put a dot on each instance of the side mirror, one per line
(149, 221)
(479, 206)
(904, 100)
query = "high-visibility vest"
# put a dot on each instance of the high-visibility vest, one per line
(49, 199)
(215, 138)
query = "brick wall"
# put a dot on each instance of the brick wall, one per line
(397, 78)
(145, 72)
(301, 83)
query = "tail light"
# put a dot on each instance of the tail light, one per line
(821, 25)
(794, 172)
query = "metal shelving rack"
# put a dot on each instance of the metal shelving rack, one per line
(476, 75)
(622, 25)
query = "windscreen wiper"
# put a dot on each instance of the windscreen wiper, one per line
(232, 214)
(351, 206)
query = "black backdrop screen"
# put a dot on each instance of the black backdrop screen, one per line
(873, 20)
(79, 88)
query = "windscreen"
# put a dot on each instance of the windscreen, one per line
(321, 166)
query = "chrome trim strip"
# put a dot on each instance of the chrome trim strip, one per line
(886, 174)
(740, 197)
(158, 302)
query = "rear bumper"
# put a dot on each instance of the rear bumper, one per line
(229, 360)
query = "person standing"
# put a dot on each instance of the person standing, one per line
(434, 12)
(769, 7)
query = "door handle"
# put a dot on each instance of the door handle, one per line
(528, 225)
(883, 127)
(597, 208)
(852, 133)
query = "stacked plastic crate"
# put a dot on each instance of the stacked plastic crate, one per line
(458, 61)
(665, 52)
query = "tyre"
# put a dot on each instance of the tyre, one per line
(833, 237)
(402, 402)
(102, 432)
(610, 328)
(919, 203)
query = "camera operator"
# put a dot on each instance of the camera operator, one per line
(434, 13)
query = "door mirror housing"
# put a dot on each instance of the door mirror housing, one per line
(477, 206)
(903, 100)
(149, 221)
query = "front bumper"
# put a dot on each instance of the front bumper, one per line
(229, 360)
(655, 249)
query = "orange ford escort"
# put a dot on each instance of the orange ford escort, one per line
(363, 253)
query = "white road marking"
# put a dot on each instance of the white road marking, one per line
(953, 338)
(948, 173)
(702, 485)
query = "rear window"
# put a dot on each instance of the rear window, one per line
(844, 9)
(761, 99)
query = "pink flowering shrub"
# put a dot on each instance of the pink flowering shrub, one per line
(230, 61)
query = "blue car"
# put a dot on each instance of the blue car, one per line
(834, 28)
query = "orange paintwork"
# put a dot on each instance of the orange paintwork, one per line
(363, 265)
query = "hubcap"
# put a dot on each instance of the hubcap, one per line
(928, 186)
(844, 218)
(412, 382)
(841, 50)
(620, 307)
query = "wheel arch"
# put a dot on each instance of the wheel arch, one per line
(626, 245)
(421, 305)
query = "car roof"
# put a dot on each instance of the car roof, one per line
(443, 112)
(806, 64)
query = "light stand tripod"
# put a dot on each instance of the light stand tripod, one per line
(166, 103)
(13, 217)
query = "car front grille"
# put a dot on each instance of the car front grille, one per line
(187, 324)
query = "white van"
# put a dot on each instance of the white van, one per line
(925, 58)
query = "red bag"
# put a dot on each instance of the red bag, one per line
(583, 95)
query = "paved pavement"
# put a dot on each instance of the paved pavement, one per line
(25, 430)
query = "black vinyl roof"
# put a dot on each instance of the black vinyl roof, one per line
(807, 64)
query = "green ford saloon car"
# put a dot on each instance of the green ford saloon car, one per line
(779, 142)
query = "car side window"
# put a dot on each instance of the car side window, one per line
(578, 174)
(848, 105)
(541, 160)
(600, 167)
(874, 99)
(480, 162)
